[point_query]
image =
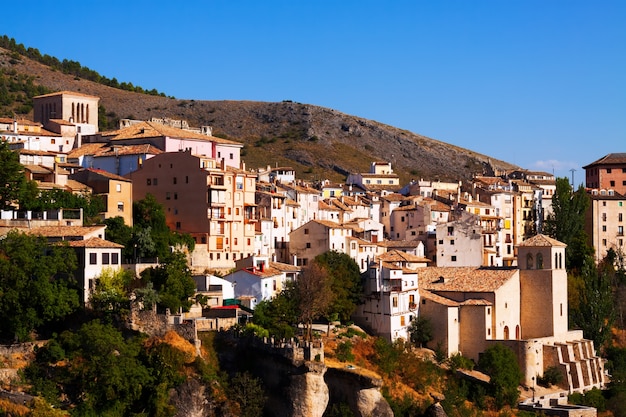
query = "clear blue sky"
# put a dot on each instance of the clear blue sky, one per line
(539, 83)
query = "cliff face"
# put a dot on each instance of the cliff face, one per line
(298, 387)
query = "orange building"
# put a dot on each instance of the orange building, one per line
(213, 204)
(608, 172)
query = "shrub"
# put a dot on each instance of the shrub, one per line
(344, 351)
(551, 376)
(458, 361)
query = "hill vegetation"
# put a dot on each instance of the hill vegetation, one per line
(320, 143)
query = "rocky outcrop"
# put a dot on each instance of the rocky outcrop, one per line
(361, 393)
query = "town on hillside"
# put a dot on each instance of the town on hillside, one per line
(473, 258)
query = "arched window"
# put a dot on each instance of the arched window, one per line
(517, 333)
(506, 332)
(560, 261)
(529, 261)
(556, 261)
(539, 261)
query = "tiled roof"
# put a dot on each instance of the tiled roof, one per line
(438, 299)
(94, 242)
(330, 224)
(86, 149)
(65, 231)
(90, 172)
(39, 153)
(67, 93)
(464, 279)
(62, 122)
(395, 255)
(285, 267)
(322, 205)
(152, 129)
(399, 243)
(77, 186)
(129, 150)
(612, 158)
(23, 122)
(37, 169)
(542, 240)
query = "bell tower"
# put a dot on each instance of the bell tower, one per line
(543, 287)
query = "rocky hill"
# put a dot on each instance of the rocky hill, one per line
(320, 143)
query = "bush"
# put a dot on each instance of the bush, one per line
(344, 351)
(500, 363)
(551, 376)
(458, 361)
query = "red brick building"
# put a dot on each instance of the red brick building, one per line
(608, 172)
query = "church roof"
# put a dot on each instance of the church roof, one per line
(541, 241)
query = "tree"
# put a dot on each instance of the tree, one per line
(149, 218)
(313, 294)
(345, 282)
(566, 223)
(173, 282)
(37, 286)
(421, 331)
(110, 294)
(500, 363)
(247, 392)
(593, 309)
(117, 231)
(11, 176)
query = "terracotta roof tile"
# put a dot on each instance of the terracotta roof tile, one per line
(542, 240)
(94, 242)
(464, 279)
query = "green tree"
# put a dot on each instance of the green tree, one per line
(37, 286)
(102, 373)
(500, 363)
(11, 176)
(247, 391)
(173, 282)
(111, 292)
(421, 331)
(117, 231)
(345, 282)
(278, 316)
(566, 223)
(149, 216)
(593, 309)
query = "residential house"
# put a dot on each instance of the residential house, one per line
(604, 222)
(94, 253)
(460, 242)
(317, 237)
(391, 295)
(608, 173)
(213, 203)
(257, 279)
(116, 192)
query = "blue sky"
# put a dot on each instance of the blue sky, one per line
(541, 84)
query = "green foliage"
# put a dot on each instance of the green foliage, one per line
(593, 309)
(70, 67)
(117, 231)
(458, 361)
(345, 279)
(551, 376)
(344, 351)
(566, 223)
(11, 175)
(247, 391)
(148, 296)
(151, 236)
(37, 287)
(31, 198)
(500, 363)
(351, 332)
(386, 355)
(278, 315)
(339, 410)
(592, 398)
(421, 331)
(173, 282)
(110, 294)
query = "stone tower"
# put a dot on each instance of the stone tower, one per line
(543, 287)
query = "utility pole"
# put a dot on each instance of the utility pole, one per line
(572, 171)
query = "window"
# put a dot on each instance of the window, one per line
(174, 180)
(120, 207)
(105, 259)
(93, 259)
(453, 258)
(608, 170)
(441, 241)
(612, 183)
(620, 230)
(177, 225)
(394, 301)
(452, 241)
(115, 259)
(118, 188)
(619, 217)
(402, 321)
(604, 228)
(603, 242)
(154, 181)
(148, 181)
(167, 196)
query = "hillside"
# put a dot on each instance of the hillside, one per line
(320, 143)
